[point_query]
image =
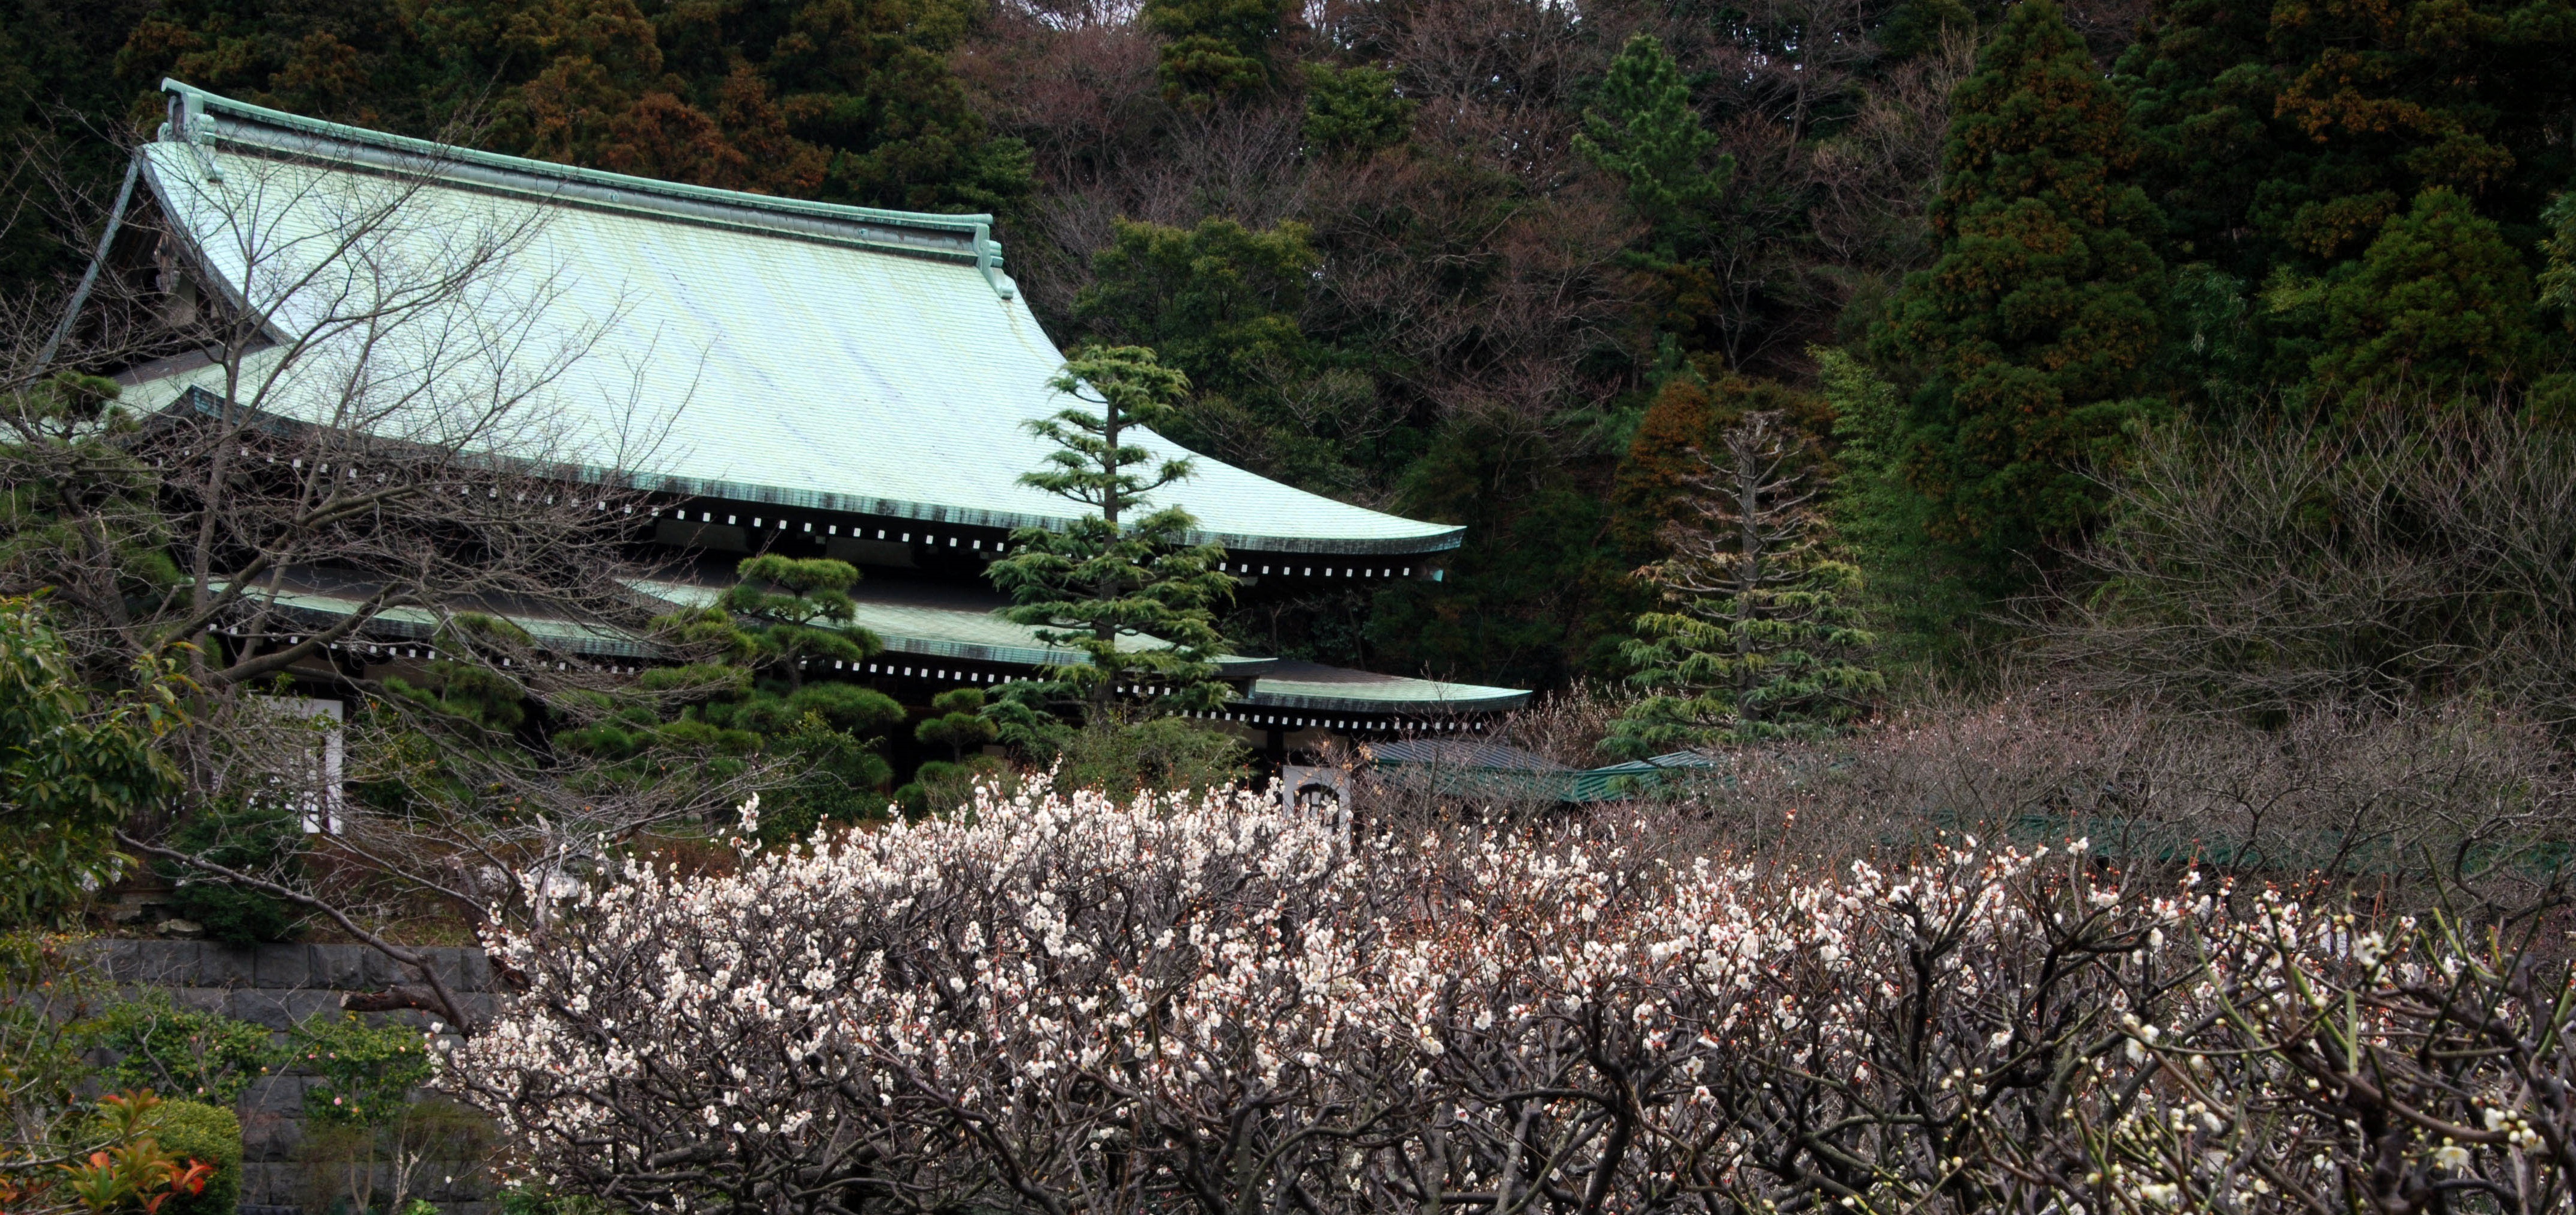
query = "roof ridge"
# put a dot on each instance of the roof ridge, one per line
(203, 118)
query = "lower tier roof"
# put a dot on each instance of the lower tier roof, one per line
(938, 621)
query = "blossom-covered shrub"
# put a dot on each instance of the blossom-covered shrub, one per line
(1057, 1002)
(1066, 1005)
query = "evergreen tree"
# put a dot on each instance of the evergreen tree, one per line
(256, 836)
(1352, 112)
(464, 685)
(1643, 131)
(2291, 145)
(2201, 101)
(1757, 638)
(1218, 49)
(1692, 413)
(845, 100)
(1126, 589)
(747, 693)
(1913, 590)
(794, 611)
(1219, 302)
(2029, 335)
(961, 722)
(2438, 302)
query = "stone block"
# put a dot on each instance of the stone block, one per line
(202, 999)
(338, 967)
(165, 963)
(263, 1007)
(382, 971)
(228, 965)
(475, 969)
(283, 967)
(280, 1096)
(302, 1006)
(268, 1133)
(444, 963)
(116, 959)
(272, 1182)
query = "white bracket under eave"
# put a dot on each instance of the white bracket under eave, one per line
(988, 258)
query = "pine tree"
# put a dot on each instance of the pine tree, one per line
(1219, 49)
(1758, 638)
(1644, 132)
(466, 685)
(2029, 335)
(1352, 112)
(962, 722)
(747, 693)
(1220, 303)
(1129, 591)
(794, 611)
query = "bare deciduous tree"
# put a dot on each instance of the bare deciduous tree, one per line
(344, 437)
(2377, 565)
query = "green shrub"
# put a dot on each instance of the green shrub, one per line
(1158, 755)
(532, 1199)
(251, 838)
(193, 1130)
(363, 1073)
(180, 1051)
(69, 774)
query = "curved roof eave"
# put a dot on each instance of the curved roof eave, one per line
(964, 516)
(848, 359)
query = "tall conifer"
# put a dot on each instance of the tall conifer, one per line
(1118, 580)
(2027, 338)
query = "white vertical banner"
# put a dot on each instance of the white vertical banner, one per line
(318, 796)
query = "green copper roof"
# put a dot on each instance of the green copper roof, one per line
(1312, 685)
(421, 624)
(1475, 768)
(928, 621)
(929, 625)
(799, 354)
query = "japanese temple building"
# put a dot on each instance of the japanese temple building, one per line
(827, 381)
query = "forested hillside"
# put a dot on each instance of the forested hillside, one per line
(1507, 263)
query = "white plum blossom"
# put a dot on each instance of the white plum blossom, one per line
(1074, 1006)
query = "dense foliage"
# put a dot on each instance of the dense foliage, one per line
(68, 1148)
(71, 770)
(2030, 332)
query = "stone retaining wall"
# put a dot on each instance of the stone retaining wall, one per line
(277, 986)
